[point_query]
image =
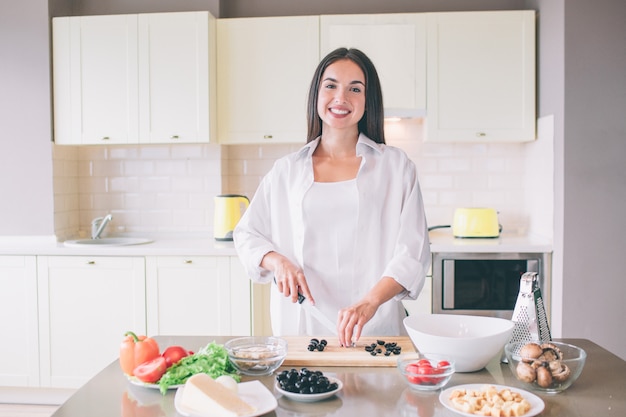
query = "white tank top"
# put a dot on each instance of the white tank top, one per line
(330, 218)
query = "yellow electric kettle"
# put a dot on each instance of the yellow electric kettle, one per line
(228, 210)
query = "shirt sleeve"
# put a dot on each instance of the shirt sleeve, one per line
(251, 234)
(411, 258)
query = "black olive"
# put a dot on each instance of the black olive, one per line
(305, 381)
(373, 353)
(380, 342)
(323, 342)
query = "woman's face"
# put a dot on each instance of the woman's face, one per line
(341, 97)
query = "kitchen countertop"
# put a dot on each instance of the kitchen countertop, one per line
(205, 245)
(442, 241)
(599, 391)
(182, 245)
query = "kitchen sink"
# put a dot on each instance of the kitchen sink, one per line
(106, 241)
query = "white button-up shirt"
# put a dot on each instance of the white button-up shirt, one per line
(391, 233)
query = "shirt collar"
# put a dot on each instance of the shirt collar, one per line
(362, 145)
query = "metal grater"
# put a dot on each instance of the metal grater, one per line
(529, 316)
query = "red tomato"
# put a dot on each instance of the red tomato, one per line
(443, 364)
(413, 369)
(427, 370)
(173, 354)
(152, 370)
(424, 362)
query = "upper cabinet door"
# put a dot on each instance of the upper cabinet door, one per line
(175, 78)
(481, 76)
(145, 78)
(95, 79)
(396, 44)
(264, 68)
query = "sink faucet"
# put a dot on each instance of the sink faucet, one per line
(98, 224)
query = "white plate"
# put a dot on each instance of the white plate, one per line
(252, 392)
(309, 398)
(133, 380)
(536, 404)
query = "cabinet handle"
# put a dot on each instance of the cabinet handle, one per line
(481, 134)
(188, 261)
(268, 137)
(91, 262)
(105, 138)
(174, 137)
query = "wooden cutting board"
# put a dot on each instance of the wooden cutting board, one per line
(299, 356)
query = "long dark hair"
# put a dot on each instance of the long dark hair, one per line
(371, 124)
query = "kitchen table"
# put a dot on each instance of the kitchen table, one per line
(600, 390)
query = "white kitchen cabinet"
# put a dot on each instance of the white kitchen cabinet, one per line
(196, 295)
(19, 354)
(481, 76)
(176, 77)
(95, 79)
(146, 78)
(396, 44)
(264, 67)
(86, 304)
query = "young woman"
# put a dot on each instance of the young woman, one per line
(340, 221)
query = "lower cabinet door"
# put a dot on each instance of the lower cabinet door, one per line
(86, 304)
(19, 354)
(196, 296)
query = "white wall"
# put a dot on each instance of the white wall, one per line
(26, 204)
(581, 82)
(594, 149)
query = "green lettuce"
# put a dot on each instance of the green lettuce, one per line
(211, 360)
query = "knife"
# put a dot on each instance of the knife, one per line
(317, 314)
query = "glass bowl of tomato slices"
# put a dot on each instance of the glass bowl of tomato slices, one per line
(425, 371)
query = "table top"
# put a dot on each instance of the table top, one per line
(599, 391)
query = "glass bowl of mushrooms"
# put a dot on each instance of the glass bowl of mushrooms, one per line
(549, 367)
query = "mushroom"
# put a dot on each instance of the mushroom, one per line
(530, 351)
(550, 352)
(525, 372)
(561, 374)
(544, 377)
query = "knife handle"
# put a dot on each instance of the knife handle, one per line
(301, 297)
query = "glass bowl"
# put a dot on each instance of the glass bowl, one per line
(425, 371)
(549, 367)
(256, 355)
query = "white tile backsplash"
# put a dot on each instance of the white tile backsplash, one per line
(170, 188)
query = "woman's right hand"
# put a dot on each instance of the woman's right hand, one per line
(290, 278)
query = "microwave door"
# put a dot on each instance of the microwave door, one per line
(448, 284)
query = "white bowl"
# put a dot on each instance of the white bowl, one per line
(471, 341)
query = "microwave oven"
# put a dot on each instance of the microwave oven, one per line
(485, 284)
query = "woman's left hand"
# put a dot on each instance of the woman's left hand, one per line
(352, 319)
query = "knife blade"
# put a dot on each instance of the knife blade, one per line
(317, 314)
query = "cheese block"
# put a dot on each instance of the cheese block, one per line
(202, 393)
